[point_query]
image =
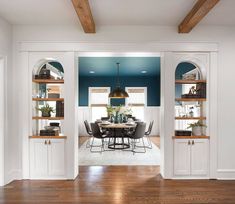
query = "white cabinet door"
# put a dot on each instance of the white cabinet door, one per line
(56, 157)
(199, 157)
(38, 158)
(181, 157)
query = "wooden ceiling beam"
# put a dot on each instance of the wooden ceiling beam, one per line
(200, 9)
(83, 11)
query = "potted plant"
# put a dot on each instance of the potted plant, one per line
(109, 110)
(46, 110)
(197, 128)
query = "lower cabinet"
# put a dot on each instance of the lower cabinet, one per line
(191, 157)
(47, 158)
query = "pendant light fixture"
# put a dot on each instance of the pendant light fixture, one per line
(118, 92)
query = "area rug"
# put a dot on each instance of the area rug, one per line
(118, 157)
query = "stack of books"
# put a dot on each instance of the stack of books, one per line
(59, 108)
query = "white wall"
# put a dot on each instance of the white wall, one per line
(11, 142)
(224, 36)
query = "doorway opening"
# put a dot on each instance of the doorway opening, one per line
(139, 76)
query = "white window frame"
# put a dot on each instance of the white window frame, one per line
(145, 95)
(89, 98)
(145, 99)
(89, 95)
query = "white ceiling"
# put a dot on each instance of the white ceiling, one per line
(112, 12)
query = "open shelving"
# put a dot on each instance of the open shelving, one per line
(48, 81)
(47, 118)
(190, 118)
(48, 99)
(38, 121)
(186, 101)
(47, 137)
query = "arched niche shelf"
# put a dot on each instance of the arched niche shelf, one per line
(47, 90)
(55, 67)
(190, 95)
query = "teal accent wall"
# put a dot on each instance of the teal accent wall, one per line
(151, 82)
(129, 66)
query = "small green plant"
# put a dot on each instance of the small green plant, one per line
(196, 124)
(46, 110)
(109, 110)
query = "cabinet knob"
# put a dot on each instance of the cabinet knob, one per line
(189, 143)
(45, 142)
(193, 142)
(49, 142)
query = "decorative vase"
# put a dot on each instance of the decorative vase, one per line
(45, 114)
(197, 130)
(116, 118)
(191, 114)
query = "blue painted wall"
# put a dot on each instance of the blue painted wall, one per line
(129, 66)
(151, 82)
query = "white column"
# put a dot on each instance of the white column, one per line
(167, 114)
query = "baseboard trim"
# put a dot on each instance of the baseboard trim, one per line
(12, 175)
(226, 174)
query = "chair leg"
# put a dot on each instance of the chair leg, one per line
(134, 147)
(149, 146)
(100, 146)
(88, 143)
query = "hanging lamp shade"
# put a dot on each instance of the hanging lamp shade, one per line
(118, 92)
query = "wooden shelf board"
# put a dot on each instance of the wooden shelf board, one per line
(190, 118)
(47, 137)
(47, 118)
(189, 81)
(48, 99)
(48, 81)
(190, 99)
(191, 137)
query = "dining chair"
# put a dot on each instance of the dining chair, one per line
(89, 132)
(97, 134)
(138, 134)
(147, 134)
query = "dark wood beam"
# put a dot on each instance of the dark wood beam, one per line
(83, 11)
(200, 9)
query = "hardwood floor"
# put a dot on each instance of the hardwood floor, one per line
(119, 185)
(154, 139)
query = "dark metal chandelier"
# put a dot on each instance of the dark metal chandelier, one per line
(118, 92)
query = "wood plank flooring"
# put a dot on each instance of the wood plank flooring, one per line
(119, 185)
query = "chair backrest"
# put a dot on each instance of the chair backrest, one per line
(87, 126)
(149, 128)
(104, 118)
(139, 130)
(96, 130)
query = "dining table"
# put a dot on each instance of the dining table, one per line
(118, 128)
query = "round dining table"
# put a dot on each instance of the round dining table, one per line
(118, 127)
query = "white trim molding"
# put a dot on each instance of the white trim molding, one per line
(226, 174)
(117, 47)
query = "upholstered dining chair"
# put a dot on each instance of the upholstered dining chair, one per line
(97, 134)
(138, 134)
(89, 132)
(147, 134)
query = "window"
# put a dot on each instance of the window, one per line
(98, 100)
(137, 100)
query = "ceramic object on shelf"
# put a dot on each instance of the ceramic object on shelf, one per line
(197, 130)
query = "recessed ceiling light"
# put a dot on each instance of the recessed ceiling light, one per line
(143, 71)
(92, 72)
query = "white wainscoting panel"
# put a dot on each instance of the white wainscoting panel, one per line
(83, 114)
(151, 113)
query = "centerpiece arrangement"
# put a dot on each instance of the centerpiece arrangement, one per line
(118, 114)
